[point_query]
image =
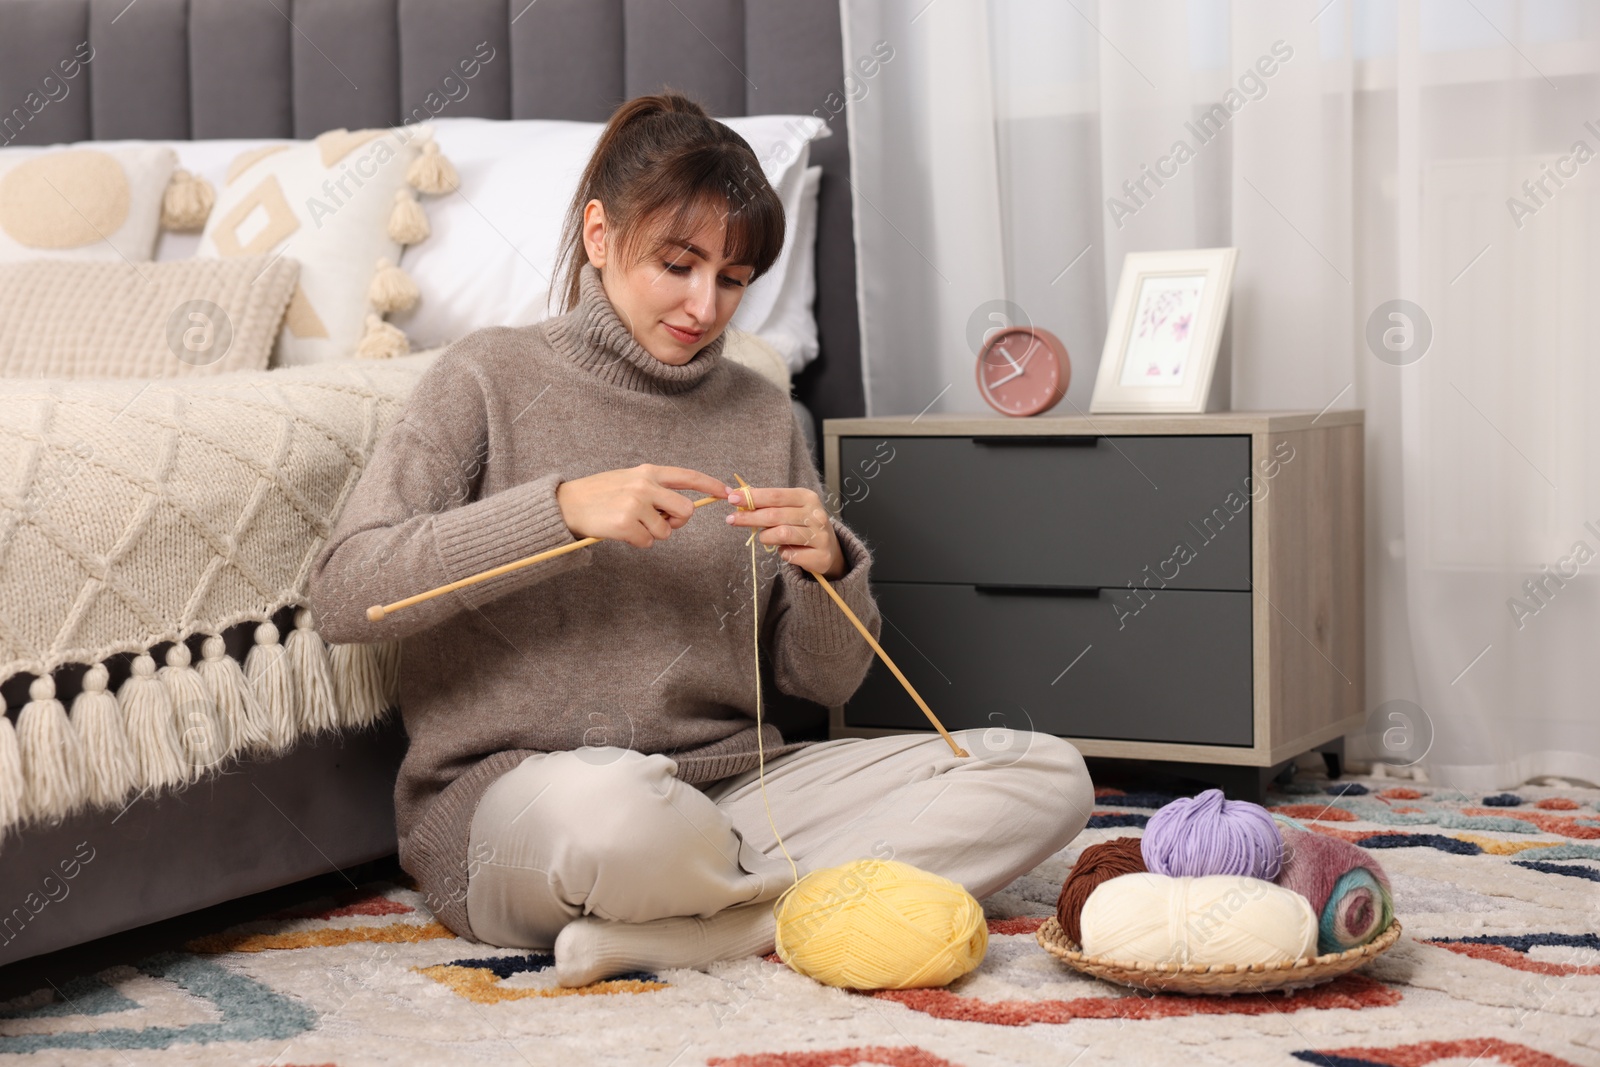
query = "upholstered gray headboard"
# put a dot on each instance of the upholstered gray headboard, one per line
(180, 69)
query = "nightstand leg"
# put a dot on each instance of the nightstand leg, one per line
(1241, 783)
(1333, 757)
(1236, 783)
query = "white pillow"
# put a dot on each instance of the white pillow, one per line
(84, 201)
(788, 181)
(790, 326)
(490, 259)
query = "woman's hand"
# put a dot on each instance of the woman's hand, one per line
(796, 521)
(637, 505)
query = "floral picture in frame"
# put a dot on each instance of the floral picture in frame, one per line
(1166, 325)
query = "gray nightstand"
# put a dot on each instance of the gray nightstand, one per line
(1175, 588)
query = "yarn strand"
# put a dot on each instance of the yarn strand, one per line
(755, 617)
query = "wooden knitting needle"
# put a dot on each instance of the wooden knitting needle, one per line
(377, 612)
(887, 662)
(859, 625)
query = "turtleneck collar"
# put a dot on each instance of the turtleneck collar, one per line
(595, 338)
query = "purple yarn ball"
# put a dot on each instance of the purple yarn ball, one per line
(1211, 835)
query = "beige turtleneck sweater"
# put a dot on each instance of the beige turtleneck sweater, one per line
(648, 649)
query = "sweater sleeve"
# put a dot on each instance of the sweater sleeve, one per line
(817, 653)
(416, 519)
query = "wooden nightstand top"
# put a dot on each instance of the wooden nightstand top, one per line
(1220, 422)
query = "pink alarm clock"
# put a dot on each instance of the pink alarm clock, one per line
(1023, 370)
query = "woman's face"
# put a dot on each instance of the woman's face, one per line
(678, 298)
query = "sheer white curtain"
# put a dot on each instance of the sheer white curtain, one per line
(1441, 152)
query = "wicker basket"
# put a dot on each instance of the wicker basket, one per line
(1218, 979)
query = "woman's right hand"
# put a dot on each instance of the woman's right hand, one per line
(637, 505)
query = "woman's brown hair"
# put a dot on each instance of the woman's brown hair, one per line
(662, 164)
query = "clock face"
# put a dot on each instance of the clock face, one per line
(1023, 370)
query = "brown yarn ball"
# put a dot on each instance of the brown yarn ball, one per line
(1096, 864)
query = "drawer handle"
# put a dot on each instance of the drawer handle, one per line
(1017, 439)
(1039, 590)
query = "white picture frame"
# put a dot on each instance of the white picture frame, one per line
(1164, 332)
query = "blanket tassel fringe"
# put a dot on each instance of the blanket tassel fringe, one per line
(166, 728)
(108, 770)
(312, 677)
(50, 746)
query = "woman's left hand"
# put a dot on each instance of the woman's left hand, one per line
(795, 521)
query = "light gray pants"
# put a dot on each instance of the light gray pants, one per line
(613, 833)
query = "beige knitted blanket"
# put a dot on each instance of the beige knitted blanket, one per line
(135, 513)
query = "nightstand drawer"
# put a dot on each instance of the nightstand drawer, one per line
(1071, 511)
(1178, 671)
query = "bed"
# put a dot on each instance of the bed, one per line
(319, 798)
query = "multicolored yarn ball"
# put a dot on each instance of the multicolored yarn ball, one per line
(1212, 921)
(880, 924)
(1191, 838)
(1096, 864)
(1344, 885)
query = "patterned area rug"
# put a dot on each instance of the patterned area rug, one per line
(1500, 897)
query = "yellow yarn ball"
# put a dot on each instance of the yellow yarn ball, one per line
(1216, 919)
(880, 924)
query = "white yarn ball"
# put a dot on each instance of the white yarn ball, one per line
(1217, 919)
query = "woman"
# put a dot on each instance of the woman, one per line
(582, 769)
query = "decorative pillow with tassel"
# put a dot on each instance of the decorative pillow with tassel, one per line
(343, 205)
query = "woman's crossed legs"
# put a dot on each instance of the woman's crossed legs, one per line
(603, 855)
